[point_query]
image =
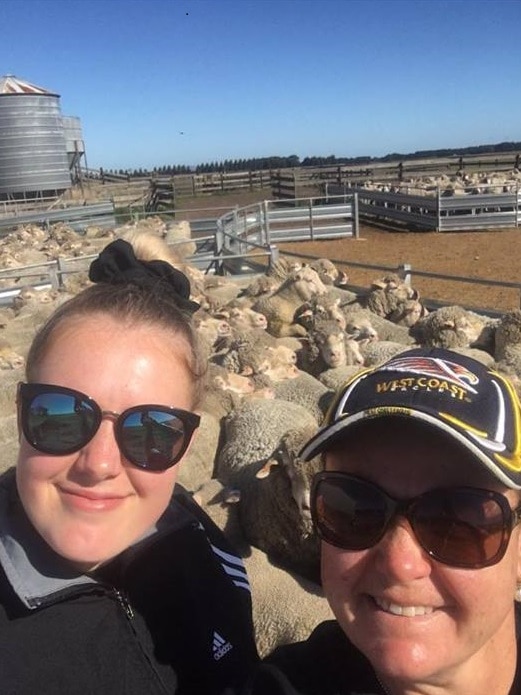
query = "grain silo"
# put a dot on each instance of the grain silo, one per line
(74, 145)
(33, 154)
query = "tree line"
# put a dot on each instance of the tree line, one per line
(293, 160)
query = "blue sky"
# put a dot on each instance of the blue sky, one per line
(190, 81)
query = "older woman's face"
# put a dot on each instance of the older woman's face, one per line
(92, 504)
(416, 619)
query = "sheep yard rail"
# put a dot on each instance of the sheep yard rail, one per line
(431, 209)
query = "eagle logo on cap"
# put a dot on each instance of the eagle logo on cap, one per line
(434, 367)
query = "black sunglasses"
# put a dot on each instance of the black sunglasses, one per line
(459, 526)
(57, 420)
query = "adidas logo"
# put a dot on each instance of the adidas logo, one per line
(220, 646)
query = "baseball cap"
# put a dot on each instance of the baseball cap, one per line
(473, 404)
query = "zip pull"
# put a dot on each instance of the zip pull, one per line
(123, 601)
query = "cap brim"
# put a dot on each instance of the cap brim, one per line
(326, 437)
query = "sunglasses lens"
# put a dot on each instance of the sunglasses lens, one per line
(463, 528)
(349, 513)
(153, 439)
(58, 423)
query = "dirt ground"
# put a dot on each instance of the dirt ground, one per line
(488, 256)
(485, 255)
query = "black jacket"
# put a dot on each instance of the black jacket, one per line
(170, 615)
(328, 664)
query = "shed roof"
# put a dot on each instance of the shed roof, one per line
(9, 84)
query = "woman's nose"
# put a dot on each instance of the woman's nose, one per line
(100, 458)
(399, 554)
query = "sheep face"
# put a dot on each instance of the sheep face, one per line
(332, 348)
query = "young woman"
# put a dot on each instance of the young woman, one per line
(418, 509)
(111, 581)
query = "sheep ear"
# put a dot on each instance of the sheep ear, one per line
(231, 495)
(266, 469)
(246, 371)
(449, 324)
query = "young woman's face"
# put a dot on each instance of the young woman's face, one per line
(92, 504)
(417, 620)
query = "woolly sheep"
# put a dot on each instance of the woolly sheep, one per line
(327, 347)
(274, 507)
(508, 344)
(333, 379)
(279, 308)
(307, 391)
(381, 351)
(198, 463)
(252, 432)
(454, 326)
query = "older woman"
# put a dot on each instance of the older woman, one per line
(418, 508)
(111, 581)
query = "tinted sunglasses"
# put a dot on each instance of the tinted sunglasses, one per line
(459, 526)
(57, 420)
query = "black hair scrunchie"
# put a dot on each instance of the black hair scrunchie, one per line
(117, 264)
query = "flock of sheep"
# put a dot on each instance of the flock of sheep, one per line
(473, 183)
(277, 349)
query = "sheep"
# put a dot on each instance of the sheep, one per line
(262, 286)
(408, 313)
(326, 269)
(224, 391)
(333, 379)
(323, 307)
(274, 509)
(210, 329)
(364, 325)
(252, 352)
(225, 380)
(508, 343)
(381, 351)
(244, 318)
(286, 606)
(388, 294)
(279, 308)
(328, 346)
(252, 432)
(10, 359)
(198, 463)
(307, 391)
(283, 268)
(453, 326)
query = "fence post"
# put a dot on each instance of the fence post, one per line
(266, 222)
(356, 228)
(219, 245)
(54, 275)
(274, 255)
(404, 271)
(438, 209)
(311, 230)
(516, 207)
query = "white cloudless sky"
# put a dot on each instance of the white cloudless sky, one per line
(163, 82)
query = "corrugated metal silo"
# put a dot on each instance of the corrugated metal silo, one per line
(33, 154)
(74, 145)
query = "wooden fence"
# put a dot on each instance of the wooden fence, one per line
(296, 182)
